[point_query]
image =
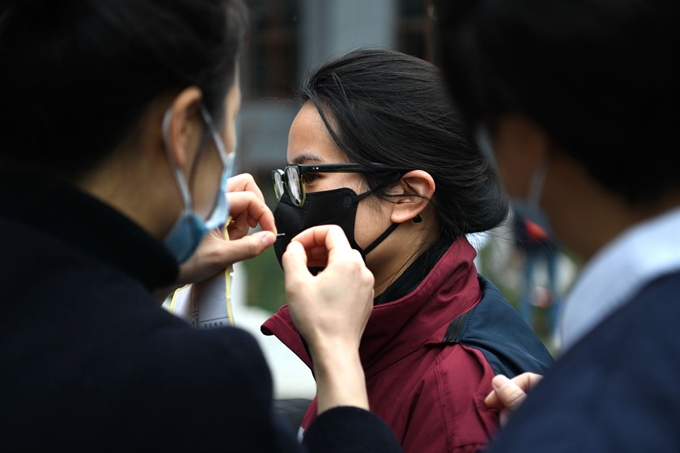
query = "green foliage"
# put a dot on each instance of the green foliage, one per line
(265, 282)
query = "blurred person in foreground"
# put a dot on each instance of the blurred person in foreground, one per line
(117, 138)
(583, 94)
(377, 149)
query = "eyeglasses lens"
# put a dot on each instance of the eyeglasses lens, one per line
(278, 183)
(293, 183)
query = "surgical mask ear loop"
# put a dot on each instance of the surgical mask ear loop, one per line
(216, 138)
(536, 185)
(483, 139)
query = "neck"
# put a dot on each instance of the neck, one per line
(136, 191)
(397, 253)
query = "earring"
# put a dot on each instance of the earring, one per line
(417, 219)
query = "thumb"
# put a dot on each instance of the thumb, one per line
(248, 246)
(510, 394)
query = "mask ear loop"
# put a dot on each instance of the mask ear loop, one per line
(379, 240)
(536, 184)
(386, 233)
(179, 177)
(215, 136)
(483, 139)
(227, 159)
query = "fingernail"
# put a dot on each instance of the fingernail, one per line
(294, 244)
(499, 381)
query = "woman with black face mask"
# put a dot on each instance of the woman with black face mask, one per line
(377, 150)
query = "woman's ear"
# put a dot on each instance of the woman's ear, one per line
(182, 127)
(416, 190)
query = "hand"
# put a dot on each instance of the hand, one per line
(508, 395)
(332, 307)
(330, 311)
(247, 209)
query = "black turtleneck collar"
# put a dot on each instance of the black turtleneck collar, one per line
(63, 211)
(415, 273)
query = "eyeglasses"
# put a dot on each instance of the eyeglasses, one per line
(291, 178)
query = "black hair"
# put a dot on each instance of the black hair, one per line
(598, 76)
(78, 75)
(385, 107)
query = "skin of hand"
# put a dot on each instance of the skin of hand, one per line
(247, 209)
(330, 310)
(509, 394)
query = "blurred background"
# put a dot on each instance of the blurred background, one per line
(288, 38)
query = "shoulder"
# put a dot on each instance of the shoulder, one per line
(494, 328)
(208, 388)
(166, 349)
(615, 390)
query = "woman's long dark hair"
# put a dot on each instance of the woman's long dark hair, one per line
(382, 106)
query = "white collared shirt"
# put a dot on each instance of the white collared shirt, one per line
(620, 270)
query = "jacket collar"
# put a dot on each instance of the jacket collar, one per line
(401, 326)
(61, 210)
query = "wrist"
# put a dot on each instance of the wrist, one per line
(340, 378)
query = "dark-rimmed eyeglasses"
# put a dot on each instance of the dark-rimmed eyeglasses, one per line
(291, 178)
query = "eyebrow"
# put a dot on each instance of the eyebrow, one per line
(307, 157)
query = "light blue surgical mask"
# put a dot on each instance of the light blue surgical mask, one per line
(529, 207)
(190, 229)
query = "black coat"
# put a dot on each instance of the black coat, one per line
(89, 361)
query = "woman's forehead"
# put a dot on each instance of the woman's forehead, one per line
(309, 140)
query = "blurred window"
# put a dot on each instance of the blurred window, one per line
(414, 27)
(269, 65)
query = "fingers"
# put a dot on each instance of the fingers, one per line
(331, 308)
(294, 263)
(323, 244)
(317, 257)
(330, 237)
(509, 394)
(246, 247)
(247, 210)
(247, 207)
(244, 183)
(215, 254)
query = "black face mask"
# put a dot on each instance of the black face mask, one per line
(331, 207)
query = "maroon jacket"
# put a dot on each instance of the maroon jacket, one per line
(429, 356)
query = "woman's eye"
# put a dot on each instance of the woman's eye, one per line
(308, 178)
